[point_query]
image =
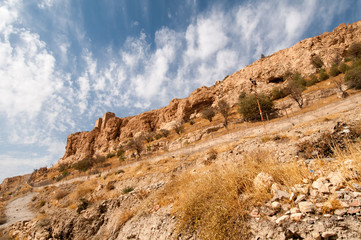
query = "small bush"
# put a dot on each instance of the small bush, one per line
(191, 122)
(313, 80)
(42, 203)
(208, 113)
(64, 174)
(298, 79)
(110, 155)
(334, 71)
(127, 190)
(61, 193)
(248, 106)
(63, 166)
(278, 93)
(83, 165)
(354, 51)
(43, 222)
(323, 75)
(179, 128)
(343, 67)
(353, 78)
(316, 61)
(223, 108)
(83, 205)
(164, 132)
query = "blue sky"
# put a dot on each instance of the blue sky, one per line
(64, 63)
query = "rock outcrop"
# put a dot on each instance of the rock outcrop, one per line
(110, 130)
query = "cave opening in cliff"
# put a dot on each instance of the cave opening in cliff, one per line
(276, 80)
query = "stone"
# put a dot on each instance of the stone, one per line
(355, 203)
(294, 210)
(306, 207)
(320, 185)
(328, 234)
(316, 236)
(340, 212)
(296, 217)
(263, 181)
(275, 187)
(356, 186)
(276, 205)
(279, 195)
(335, 178)
(300, 198)
(282, 219)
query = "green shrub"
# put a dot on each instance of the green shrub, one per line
(83, 205)
(316, 61)
(127, 190)
(83, 165)
(313, 80)
(334, 71)
(298, 79)
(164, 132)
(343, 67)
(278, 93)
(64, 174)
(248, 106)
(110, 155)
(191, 122)
(323, 75)
(179, 128)
(353, 78)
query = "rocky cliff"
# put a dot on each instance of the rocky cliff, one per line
(110, 130)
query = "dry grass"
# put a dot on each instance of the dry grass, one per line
(83, 190)
(331, 205)
(61, 193)
(125, 216)
(215, 203)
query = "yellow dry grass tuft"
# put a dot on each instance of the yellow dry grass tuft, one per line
(125, 216)
(215, 202)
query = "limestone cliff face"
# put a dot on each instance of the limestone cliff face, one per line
(269, 71)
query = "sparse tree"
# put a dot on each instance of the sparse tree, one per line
(248, 106)
(354, 51)
(136, 144)
(208, 113)
(339, 85)
(295, 92)
(223, 108)
(178, 128)
(316, 61)
(353, 78)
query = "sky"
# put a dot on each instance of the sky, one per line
(64, 63)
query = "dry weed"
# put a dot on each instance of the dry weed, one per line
(215, 203)
(125, 216)
(61, 193)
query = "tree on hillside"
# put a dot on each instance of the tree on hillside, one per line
(354, 51)
(208, 113)
(178, 128)
(295, 87)
(353, 77)
(136, 144)
(316, 61)
(248, 106)
(223, 108)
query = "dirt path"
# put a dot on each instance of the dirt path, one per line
(286, 124)
(18, 210)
